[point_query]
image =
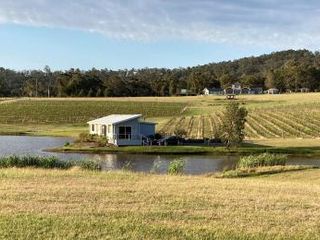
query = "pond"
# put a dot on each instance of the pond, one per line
(194, 164)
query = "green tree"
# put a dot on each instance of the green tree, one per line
(231, 130)
(226, 80)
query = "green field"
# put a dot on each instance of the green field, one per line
(75, 204)
(290, 116)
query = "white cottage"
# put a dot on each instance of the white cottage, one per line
(122, 129)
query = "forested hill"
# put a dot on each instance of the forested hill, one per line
(286, 70)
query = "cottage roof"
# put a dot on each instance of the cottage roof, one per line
(115, 118)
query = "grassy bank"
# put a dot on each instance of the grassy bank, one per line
(66, 130)
(74, 204)
(259, 171)
(244, 149)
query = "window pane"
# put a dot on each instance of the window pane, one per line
(122, 133)
(122, 130)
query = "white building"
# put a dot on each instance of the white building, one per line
(273, 91)
(212, 91)
(122, 129)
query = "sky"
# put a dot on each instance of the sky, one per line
(119, 34)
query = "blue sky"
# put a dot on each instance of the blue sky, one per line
(119, 34)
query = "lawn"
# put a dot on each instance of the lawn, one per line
(76, 204)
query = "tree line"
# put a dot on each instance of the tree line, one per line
(286, 70)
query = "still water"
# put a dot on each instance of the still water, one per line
(194, 164)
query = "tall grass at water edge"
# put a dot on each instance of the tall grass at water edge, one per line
(47, 162)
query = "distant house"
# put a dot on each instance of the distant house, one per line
(122, 129)
(212, 91)
(273, 91)
(236, 87)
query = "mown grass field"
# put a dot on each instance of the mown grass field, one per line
(289, 116)
(75, 204)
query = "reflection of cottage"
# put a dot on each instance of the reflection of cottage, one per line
(212, 91)
(121, 129)
(273, 91)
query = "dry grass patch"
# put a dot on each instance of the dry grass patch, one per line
(120, 205)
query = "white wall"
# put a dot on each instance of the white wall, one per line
(137, 129)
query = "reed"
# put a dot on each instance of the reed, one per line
(262, 160)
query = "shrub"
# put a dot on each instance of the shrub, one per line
(101, 141)
(157, 136)
(265, 159)
(176, 167)
(86, 137)
(90, 165)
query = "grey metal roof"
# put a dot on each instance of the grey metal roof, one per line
(115, 118)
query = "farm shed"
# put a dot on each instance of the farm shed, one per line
(212, 91)
(273, 91)
(122, 129)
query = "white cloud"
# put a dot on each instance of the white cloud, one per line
(286, 23)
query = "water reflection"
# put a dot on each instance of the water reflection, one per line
(159, 163)
(194, 164)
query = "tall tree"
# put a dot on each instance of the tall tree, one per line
(232, 128)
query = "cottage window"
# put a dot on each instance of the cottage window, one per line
(92, 127)
(124, 132)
